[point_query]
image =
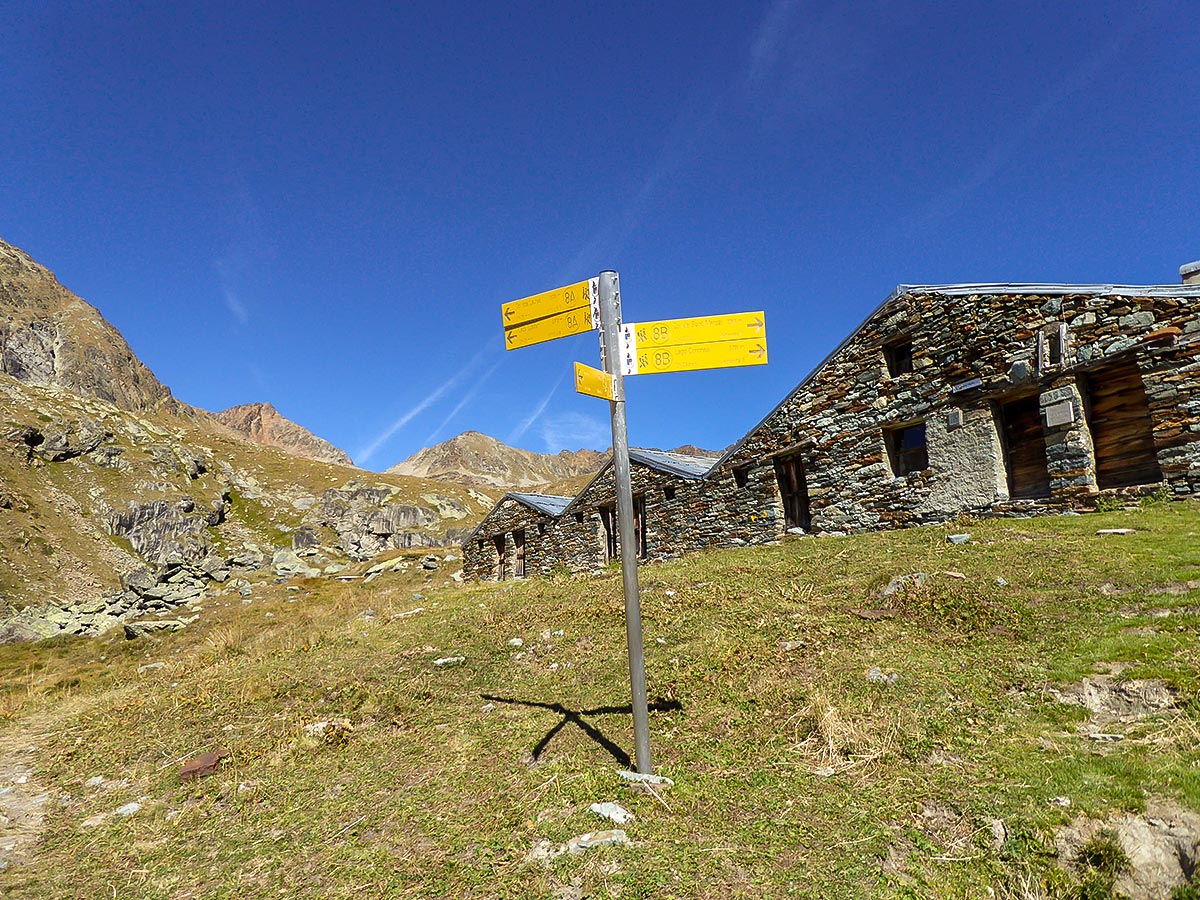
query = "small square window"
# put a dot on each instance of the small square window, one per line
(741, 476)
(541, 527)
(669, 493)
(906, 449)
(579, 518)
(898, 355)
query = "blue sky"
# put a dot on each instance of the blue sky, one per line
(324, 205)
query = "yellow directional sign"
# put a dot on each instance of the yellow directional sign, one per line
(550, 303)
(575, 321)
(699, 330)
(687, 357)
(593, 382)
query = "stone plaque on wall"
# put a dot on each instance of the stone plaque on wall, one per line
(1060, 414)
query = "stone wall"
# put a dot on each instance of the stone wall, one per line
(957, 361)
(970, 354)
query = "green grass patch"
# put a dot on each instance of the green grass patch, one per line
(796, 775)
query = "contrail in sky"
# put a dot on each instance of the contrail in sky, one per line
(433, 397)
(467, 398)
(538, 410)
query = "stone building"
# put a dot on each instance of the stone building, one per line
(981, 399)
(515, 538)
(985, 399)
(582, 534)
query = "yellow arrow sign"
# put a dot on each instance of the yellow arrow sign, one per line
(550, 303)
(699, 330)
(688, 357)
(593, 382)
(575, 321)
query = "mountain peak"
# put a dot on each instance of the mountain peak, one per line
(479, 459)
(49, 337)
(263, 424)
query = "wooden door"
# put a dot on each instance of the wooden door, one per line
(608, 518)
(1118, 416)
(519, 553)
(498, 541)
(793, 489)
(639, 525)
(1024, 449)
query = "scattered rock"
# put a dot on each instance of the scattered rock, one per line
(330, 731)
(516, 642)
(957, 538)
(1110, 700)
(640, 778)
(148, 667)
(904, 583)
(1063, 802)
(1162, 845)
(582, 842)
(614, 812)
(124, 812)
(135, 630)
(1000, 582)
(449, 660)
(999, 833)
(872, 614)
(203, 765)
(288, 565)
(429, 563)
(875, 675)
(1116, 531)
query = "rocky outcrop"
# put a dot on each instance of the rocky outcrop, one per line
(476, 459)
(263, 424)
(50, 337)
(370, 519)
(165, 532)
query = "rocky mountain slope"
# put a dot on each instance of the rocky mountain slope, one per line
(262, 423)
(51, 338)
(119, 503)
(477, 459)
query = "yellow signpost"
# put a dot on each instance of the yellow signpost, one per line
(700, 330)
(593, 382)
(575, 321)
(551, 314)
(689, 357)
(671, 345)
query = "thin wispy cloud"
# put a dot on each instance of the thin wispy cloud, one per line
(427, 401)
(574, 431)
(236, 307)
(528, 421)
(466, 398)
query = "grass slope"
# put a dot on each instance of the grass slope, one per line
(795, 775)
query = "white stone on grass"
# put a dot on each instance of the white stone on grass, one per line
(614, 812)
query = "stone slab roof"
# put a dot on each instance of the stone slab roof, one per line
(549, 504)
(673, 463)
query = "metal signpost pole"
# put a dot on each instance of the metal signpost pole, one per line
(610, 319)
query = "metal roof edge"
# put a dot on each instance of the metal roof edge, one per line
(511, 495)
(1051, 289)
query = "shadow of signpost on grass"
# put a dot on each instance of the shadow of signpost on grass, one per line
(576, 717)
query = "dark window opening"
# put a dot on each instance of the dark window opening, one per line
(1054, 348)
(541, 527)
(668, 493)
(579, 518)
(906, 449)
(1118, 415)
(899, 357)
(741, 476)
(793, 489)
(498, 542)
(519, 553)
(1024, 448)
